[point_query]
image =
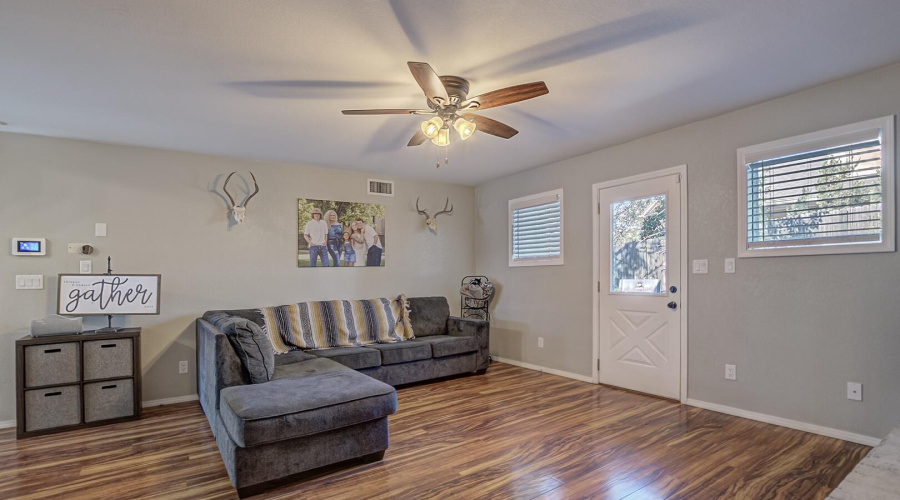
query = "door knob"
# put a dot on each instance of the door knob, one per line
(672, 305)
(673, 289)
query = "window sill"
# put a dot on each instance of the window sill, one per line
(882, 247)
(536, 262)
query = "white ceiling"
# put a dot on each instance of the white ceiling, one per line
(266, 80)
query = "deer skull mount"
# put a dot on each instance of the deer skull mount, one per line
(238, 211)
(431, 221)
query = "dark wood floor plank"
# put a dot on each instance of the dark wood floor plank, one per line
(512, 433)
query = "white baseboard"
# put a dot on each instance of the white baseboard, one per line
(785, 422)
(6, 424)
(169, 401)
(551, 371)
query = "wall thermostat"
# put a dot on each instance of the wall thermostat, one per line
(29, 246)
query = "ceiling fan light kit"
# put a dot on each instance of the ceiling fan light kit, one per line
(447, 97)
(431, 127)
(443, 137)
(465, 128)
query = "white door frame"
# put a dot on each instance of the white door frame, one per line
(683, 279)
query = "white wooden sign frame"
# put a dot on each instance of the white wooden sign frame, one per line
(104, 294)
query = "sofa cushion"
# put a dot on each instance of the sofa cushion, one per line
(337, 323)
(292, 357)
(402, 352)
(448, 345)
(254, 315)
(249, 342)
(306, 398)
(428, 315)
(352, 357)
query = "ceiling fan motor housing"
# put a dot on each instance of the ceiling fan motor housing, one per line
(457, 88)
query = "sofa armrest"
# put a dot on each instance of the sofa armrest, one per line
(218, 367)
(477, 328)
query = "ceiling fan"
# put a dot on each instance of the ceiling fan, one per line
(448, 102)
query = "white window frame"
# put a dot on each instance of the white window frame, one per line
(811, 142)
(536, 199)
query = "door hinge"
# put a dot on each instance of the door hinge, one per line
(678, 181)
(598, 364)
(598, 209)
(598, 287)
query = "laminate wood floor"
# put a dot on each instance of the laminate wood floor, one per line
(512, 433)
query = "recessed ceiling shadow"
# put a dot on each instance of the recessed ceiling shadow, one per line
(408, 24)
(392, 135)
(545, 125)
(586, 43)
(308, 89)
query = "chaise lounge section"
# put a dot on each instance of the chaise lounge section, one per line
(323, 408)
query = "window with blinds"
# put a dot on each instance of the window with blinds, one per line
(536, 230)
(827, 192)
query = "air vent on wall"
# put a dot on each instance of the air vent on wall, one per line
(381, 188)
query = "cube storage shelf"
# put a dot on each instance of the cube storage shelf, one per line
(67, 382)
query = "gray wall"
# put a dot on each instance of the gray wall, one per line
(163, 218)
(798, 328)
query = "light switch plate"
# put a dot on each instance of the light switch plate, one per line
(854, 391)
(29, 282)
(84, 267)
(100, 229)
(729, 266)
(701, 266)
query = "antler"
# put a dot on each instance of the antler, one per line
(445, 211)
(225, 188)
(254, 192)
(422, 212)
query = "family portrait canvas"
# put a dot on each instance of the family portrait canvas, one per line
(340, 234)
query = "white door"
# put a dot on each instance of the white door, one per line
(639, 268)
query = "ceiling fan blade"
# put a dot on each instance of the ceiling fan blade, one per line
(489, 126)
(429, 81)
(386, 111)
(418, 138)
(509, 95)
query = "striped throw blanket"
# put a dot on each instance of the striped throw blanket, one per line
(337, 323)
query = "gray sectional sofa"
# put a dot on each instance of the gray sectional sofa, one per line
(323, 408)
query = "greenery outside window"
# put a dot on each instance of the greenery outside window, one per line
(822, 193)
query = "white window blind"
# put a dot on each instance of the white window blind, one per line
(827, 192)
(536, 227)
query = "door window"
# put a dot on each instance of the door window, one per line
(638, 240)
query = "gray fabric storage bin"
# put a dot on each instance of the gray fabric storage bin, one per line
(51, 364)
(107, 359)
(50, 408)
(107, 400)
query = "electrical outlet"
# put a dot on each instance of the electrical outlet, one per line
(100, 229)
(182, 367)
(731, 372)
(540, 341)
(84, 267)
(854, 391)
